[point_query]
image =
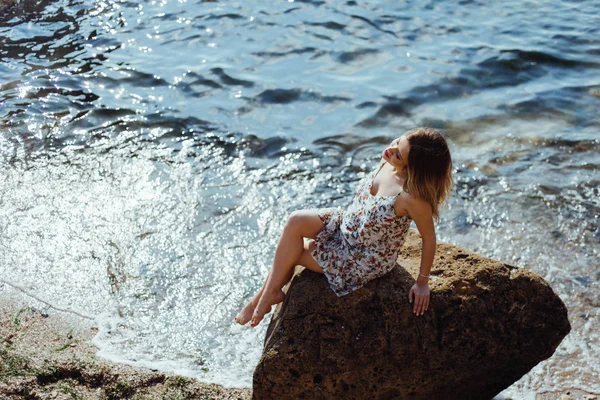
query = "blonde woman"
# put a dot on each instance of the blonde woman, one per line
(354, 246)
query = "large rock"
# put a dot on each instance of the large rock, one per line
(488, 324)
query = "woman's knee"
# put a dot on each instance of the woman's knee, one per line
(305, 222)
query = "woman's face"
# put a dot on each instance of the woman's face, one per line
(397, 153)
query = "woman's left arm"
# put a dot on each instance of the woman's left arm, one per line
(420, 212)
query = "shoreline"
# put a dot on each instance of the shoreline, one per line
(50, 355)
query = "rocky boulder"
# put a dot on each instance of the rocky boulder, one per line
(487, 325)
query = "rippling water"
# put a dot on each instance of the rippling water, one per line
(151, 151)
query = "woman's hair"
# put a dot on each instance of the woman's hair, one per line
(429, 167)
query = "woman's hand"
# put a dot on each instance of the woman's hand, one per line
(419, 293)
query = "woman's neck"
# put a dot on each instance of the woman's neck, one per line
(399, 175)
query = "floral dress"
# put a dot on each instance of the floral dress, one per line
(361, 243)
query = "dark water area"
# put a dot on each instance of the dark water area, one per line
(150, 153)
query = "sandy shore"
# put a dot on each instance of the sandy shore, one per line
(48, 354)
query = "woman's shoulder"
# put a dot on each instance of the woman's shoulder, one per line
(408, 204)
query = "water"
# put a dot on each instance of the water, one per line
(151, 152)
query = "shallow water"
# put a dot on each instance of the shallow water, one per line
(152, 151)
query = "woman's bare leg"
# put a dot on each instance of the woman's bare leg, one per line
(300, 224)
(306, 259)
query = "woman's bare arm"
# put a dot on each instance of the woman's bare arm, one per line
(420, 212)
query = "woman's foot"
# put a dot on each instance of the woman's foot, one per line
(264, 306)
(246, 314)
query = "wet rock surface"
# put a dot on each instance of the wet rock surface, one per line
(44, 355)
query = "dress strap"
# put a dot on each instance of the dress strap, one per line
(381, 164)
(372, 177)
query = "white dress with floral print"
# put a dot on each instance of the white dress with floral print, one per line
(361, 243)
